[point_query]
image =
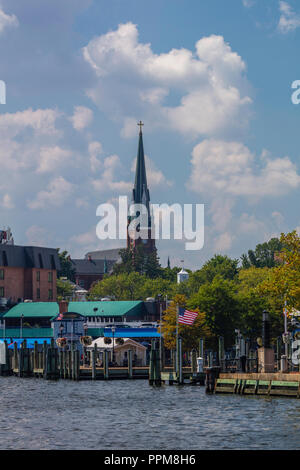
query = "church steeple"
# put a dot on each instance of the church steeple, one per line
(140, 190)
(141, 195)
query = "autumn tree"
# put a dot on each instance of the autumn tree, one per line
(190, 334)
(283, 284)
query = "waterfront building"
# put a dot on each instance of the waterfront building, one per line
(28, 272)
(120, 350)
(36, 319)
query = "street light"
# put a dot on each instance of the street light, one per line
(160, 341)
(85, 327)
(113, 330)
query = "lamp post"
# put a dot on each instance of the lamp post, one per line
(160, 342)
(113, 330)
(21, 327)
(85, 327)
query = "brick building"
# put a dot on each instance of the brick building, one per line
(89, 270)
(28, 272)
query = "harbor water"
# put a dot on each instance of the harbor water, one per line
(39, 414)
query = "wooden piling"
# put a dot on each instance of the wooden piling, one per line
(194, 361)
(15, 357)
(105, 365)
(130, 370)
(179, 372)
(151, 365)
(221, 352)
(157, 365)
(94, 359)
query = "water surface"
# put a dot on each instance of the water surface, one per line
(40, 414)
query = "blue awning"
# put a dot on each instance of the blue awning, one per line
(29, 341)
(132, 333)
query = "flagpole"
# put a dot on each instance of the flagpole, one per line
(177, 358)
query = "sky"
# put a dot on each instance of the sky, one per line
(212, 82)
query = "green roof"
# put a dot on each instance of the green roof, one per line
(27, 333)
(34, 309)
(107, 308)
(88, 309)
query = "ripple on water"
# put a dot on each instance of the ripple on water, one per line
(38, 414)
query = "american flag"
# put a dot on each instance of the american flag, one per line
(187, 317)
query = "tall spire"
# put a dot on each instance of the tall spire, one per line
(141, 195)
(140, 191)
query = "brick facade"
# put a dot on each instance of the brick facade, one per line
(21, 283)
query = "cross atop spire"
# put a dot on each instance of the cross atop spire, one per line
(141, 125)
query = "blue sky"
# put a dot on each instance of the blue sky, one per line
(212, 82)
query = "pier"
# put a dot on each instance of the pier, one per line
(52, 363)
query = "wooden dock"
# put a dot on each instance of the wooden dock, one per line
(267, 384)
(52, 363)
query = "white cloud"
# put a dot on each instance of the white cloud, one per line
(7, 202)
(223, 242)
(7, 21)
(82, 117)
(289, 20)
(41, 121)
(52, 158)
(58, 191)
(107, 181)
(229, 168)
(248, 3)
(95, 149)
(197, 92)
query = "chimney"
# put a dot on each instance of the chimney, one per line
(89, 258)
(63, 306)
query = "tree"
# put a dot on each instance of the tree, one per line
(138, 260)
(218, 300)
(132, 286)
(121, 287)
(283, 284)
(66, 267)
(190, 334)
(264, 255)
(64, 289)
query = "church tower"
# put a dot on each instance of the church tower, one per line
(141, 195)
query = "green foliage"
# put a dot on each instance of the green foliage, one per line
(263, 256)
(218, 300)
(66, 267)
(64, 289)
(132, 286)
(189, 334)
(138, 261)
